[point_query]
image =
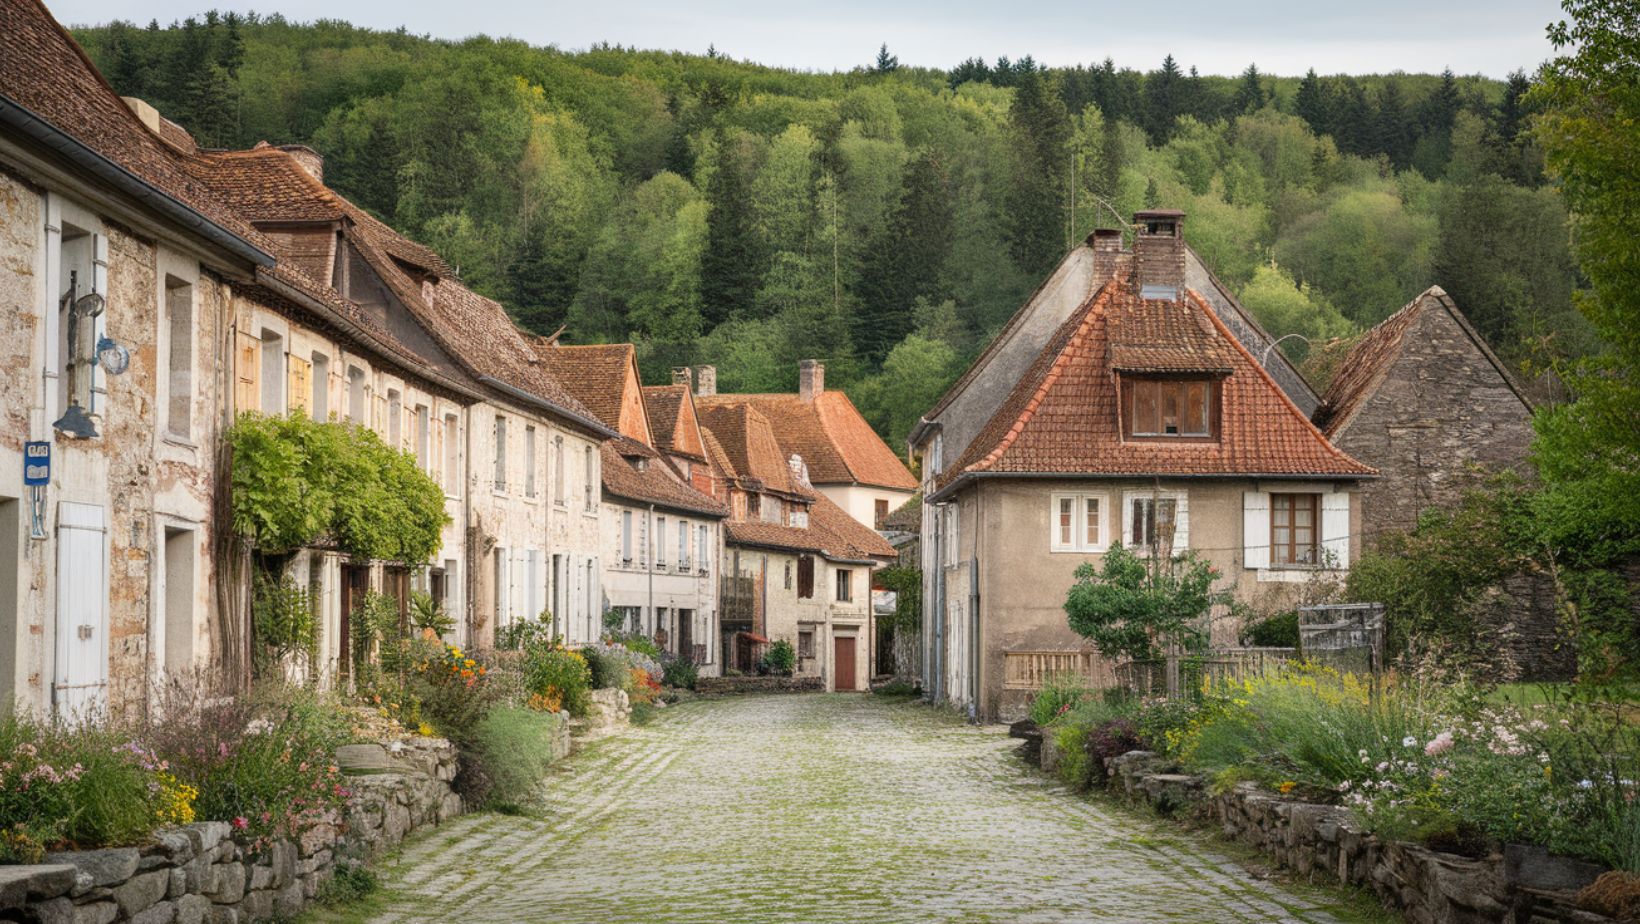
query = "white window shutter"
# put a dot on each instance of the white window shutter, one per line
(1335, 528)
(1181, 523)
(1255, 528)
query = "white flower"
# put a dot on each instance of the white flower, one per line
(259, 727)
(1409, 742)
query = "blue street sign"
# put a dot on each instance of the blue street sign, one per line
(37, 463)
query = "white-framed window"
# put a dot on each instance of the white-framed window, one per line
(1156, 520)
(845, 585)
(1299, 527)
(558, 470)
(179, 316)
(273, 373)
(660, 542)
(626, 537)
(951, 520)
(424, 438)
(591, 471)
(1079, 522)
(683, 545)
(703, 536)
(529, 461)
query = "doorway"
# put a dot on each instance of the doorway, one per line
(843, 662)
(355, 584)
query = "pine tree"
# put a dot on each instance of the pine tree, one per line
(1036, 196)
(1164, 98)
(1311, 102)
(1250, 94)
(732, 264)
(1110, 159)
(886, 63)
(907, 259)
(1512, 113)
(971, 70)
(1390, 135)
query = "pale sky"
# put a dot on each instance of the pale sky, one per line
(1286, 37)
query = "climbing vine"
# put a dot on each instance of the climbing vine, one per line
(297, 482)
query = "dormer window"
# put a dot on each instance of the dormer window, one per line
(1171, 408)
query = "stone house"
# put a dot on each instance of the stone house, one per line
(1424, 400)
(848, 462)
(1144, 419)
(662, 537)
(796, 567)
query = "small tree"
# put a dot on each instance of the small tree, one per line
(1131, 608)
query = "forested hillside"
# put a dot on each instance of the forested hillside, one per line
(886, 220)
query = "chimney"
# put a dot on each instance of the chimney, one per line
(146, 114)
(1107, 250)
(705, 381)
(1158, 253)
(682, 376)
(811, 379)
(309, 159)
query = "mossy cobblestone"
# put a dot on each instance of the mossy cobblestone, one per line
(816, 808)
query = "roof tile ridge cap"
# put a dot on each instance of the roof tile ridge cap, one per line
(1390, 332)
(1277, 389)
(1089, 317)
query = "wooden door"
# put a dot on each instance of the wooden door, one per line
(355, 583)
(843, 660)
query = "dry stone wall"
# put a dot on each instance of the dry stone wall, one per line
(200, 874)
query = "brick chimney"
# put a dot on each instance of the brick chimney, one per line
(682, 376)
(811, 379)
(1107, 250)
(705, 381)
(1158, 253)
(309, 159)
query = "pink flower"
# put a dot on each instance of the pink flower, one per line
(1439, 744)
(241, 823)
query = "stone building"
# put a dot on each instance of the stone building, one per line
(1424, 400)
(1141, 418)
(662, 537)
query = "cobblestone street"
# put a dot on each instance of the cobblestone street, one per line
(819, 808)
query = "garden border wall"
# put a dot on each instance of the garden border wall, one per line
(201, 874)
(723, 686)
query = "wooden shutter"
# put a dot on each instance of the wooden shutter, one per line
(81, 676)
(1181, 523)
(299, 392)
(1335, 528)
(805, 577)
(1255, 529)
(247, 394)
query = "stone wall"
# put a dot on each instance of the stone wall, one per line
(201, 873)
(1523, 885)
(719, 686)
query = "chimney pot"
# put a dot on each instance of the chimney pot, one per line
(309, 159)
(1158, 253)
(682, 376)
(811, 379)
(705, 381)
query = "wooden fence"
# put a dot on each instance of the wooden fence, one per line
(1030, 670)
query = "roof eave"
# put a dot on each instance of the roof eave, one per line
(966, 477)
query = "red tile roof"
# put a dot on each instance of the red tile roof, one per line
(603, 377)
(655, 484)
(1371, 358)
(831, 533)
(1061, 416)
(834, 440)
(750, 451)
(1155, 336)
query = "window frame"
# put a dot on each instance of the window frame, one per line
(1181, 512)
(1079, 521)
(498, 477)
(845, 584)
(1290, 500)
(1212, 408)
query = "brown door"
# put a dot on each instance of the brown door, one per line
(843, 647)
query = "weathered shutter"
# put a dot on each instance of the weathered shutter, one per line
(1255, 529)
(82, 610)
(1335, 528)
(247, 394)
(299, 393)
(805, 577)
(1181, 523)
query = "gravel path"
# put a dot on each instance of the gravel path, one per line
(818, 808)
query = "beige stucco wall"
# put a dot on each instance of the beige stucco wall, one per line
(640, 584)
(787, 615)
(860, 501)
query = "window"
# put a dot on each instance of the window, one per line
(1293, 532)
(626, 536)
(424, 438)
(845, 585)
(179, 316)
(754, 506)
(805, 643)
(702, 537)
(395, 419)
(179, 600)
(591, 472)
(452, 597)
(1078, 523)
(356, 398)
(805, 577)
(452, 454)
(1170, 408)
(273, 373)
(1156, 519)
(500, 475)
(501, 588)
(319, 401)
(800, 516)
(660, 542)
(558, 470)
(529, 461)
(683, 545)
(84, 272)
(772, 511)
(881, 511)
(787, 584)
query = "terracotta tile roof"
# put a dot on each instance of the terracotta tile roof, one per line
(46, 72)
(598, 376)
(831, 533)
(656, 484)
(1155, 336)
(1371, 358)
(834, 440)
(717, 456)
(1061, 416)
(750, 451)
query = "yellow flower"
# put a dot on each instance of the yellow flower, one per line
(1287, 787)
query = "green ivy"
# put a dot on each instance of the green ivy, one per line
(297, 481)
(907, 586)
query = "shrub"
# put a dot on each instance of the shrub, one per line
(782, 658)
(560, 677)
(1129, 608)
(1279, 630)
(284, 619)
(608, 666)
(519, 635)
(643, 688)
(637, 642)
(84, 786)
(1111, 738)
(511, 751)
(452, 686)
(349, 883)
(681, 673)
(898, 687)
(1059, 693)
(427, 615)
(1074, 767)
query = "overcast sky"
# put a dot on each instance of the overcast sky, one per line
(1490, 37)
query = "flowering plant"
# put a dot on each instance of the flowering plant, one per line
(64, 784)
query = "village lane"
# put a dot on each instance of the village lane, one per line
(819, 808)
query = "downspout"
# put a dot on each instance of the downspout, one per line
(654, 545)
(974, 653)
(939, 607)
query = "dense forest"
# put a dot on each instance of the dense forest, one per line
(887, 219)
